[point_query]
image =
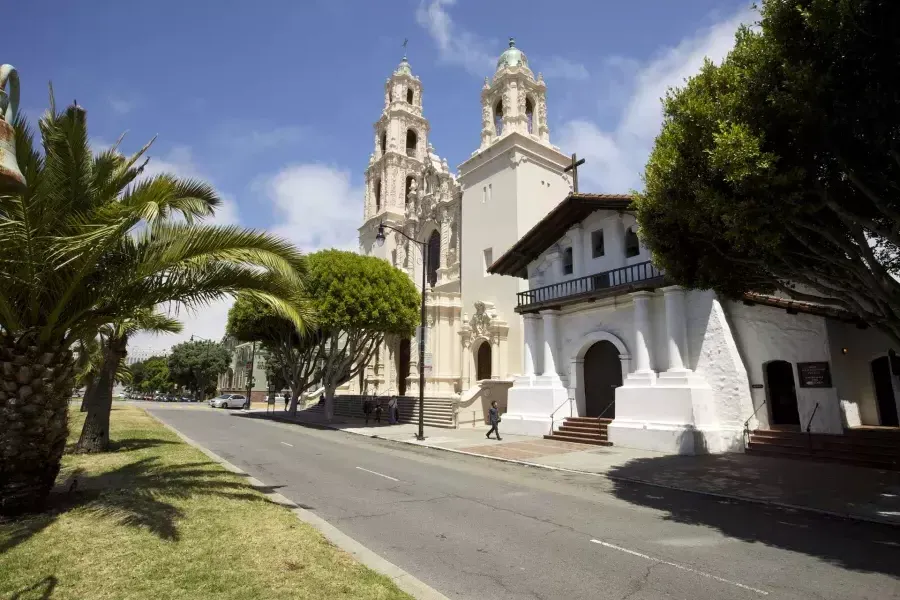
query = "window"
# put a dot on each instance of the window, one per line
(434, 258)
(632, 244)
(488, 260)
(412, 140)
(409, 96)
(377, 195)
(484, 194)
(490, 191)
(529, 114)
(567, 261)
(597, 249)
(383, 142)
(498, 118)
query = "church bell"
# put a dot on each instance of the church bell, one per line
(11, 178)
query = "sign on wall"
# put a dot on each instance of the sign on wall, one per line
(814, 374)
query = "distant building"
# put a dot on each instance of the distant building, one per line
(136, 355)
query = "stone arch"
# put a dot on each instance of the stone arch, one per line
(529, 114)
(410, 95)
(498, 118)
(483, 355)
(412, 142)
(576, 362)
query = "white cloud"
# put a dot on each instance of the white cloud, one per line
(318, 205)
(456, 45)
(558, 67)
(615, 158)
(245, 138)
(121, 106)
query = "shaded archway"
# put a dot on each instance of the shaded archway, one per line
(403, 359)
(529, 114)
(781, 393)
(410, 96)
(434, 257)
(602, 375)
(412, 142)
(483, 361)
(377, 195)
(884, 392)
(498, 118)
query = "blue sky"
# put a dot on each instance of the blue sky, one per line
(273, 101)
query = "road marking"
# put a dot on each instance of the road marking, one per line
(677, 566)
(379, 474)
(286, 444)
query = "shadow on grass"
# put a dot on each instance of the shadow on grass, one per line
(141, 494)
(856, 545)
(42, 590)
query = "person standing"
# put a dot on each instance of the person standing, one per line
(287, 401)
(494, 417)
(392, 410)
(367, 409)
(378, 411)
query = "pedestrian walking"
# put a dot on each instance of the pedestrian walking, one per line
(367, 409)
(392, 410)
(287, 400)
(378, 411)
(494, 416)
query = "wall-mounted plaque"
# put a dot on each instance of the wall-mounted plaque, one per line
(757, 386)
(814, 374)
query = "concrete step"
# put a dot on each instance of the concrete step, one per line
(862, 460)
(577, 440)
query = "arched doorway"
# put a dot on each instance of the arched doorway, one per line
(602, 375)
(403, 356)
(782, 393)
(884, 392)
(483, 361)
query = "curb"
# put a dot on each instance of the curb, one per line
(732, 497)
(403, 580)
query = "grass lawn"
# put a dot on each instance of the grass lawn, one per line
(157, 519)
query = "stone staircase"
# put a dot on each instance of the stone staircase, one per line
(877, 447)
(439, 412)
(583, 430)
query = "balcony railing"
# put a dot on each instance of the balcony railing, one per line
(590, 285)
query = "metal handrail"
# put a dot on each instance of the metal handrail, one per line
(552, 421)
(809, 425)
(747, 422)
(644, 271)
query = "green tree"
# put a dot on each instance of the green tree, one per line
(358, 300)
(138, 375)
(779, 169)
(291, 357)
(85, 245)
(158, 377)
(197, 364)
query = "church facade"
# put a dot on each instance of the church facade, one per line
(463, 221)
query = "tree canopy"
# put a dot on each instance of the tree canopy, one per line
(779, 169)
(197, 364)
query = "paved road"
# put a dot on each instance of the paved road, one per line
(475, 528)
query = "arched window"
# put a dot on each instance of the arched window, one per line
(632, 243)
(498, 118)
(412, 140)
(383, 142)
(409, 183)
(434, 257)
(529, 114)
(409, 95)
(377, 195)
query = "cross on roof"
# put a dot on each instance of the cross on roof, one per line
(405, 42)
(574, 168)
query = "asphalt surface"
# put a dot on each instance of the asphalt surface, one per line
(481, 529)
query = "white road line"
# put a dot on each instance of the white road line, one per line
(286, 444)
(379, 474)
(682, 567)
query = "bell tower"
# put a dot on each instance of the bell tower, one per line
(401, 140)
(514, 101)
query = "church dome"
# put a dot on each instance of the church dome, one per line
(512, 57)
(403, 67)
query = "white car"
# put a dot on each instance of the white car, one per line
(228, 401)
(279, 399)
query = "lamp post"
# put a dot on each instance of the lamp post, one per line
(379, 239)
(202, 391)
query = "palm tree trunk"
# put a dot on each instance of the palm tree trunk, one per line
(95, 432)
(90, 390)
(36, 387)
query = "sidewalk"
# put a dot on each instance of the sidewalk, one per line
(834, 489)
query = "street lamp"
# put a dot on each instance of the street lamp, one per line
(379, 239)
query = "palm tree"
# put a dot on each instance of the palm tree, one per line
(95, 431)
(88, 357)
(86, 245)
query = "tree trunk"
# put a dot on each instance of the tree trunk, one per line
(36, 387)
(95, 433)
(90, 390)
(329, 403)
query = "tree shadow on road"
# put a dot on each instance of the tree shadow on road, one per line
(856, 545)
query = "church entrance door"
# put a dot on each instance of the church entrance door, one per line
(403, 366)
(884, 392)
(483, 362)
(782, 394)
(602, 375)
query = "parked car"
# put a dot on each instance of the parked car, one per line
(186, 399)
(228, 401)
(279, 398)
